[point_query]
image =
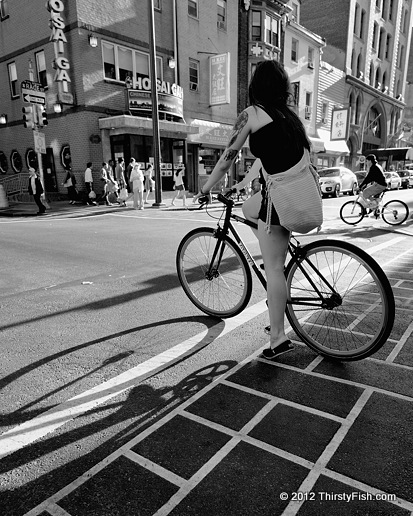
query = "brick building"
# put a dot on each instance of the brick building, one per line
(93, 59)
(369, 41)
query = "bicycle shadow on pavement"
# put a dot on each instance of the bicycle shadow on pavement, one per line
(143, 406)
(214, 327)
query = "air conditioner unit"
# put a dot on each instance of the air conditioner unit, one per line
(310, 65)
(307, 112)
(193, 86)
(324, 120)
(221, 25)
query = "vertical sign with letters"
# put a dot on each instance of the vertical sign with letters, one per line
(57, 24)
(219, 79)
(339, 124)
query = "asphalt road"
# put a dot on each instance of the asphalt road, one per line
(91, 308)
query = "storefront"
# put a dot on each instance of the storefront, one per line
(207, 145)
(131, 136)
(334, 152)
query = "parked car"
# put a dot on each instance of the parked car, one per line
(335, 180)
(393, 180)
(360, 177)
(407, 178)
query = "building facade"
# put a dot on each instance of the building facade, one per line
(369, 41)
(92, 60)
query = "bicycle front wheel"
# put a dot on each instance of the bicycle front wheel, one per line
(340, 301)
(352, 212)
(395, 212)
(220, 289)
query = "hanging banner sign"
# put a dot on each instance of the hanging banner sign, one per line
(340, 124)
(219, 79)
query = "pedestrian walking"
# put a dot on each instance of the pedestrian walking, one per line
(105, 180)
(70, 184)
(278, 138)
(91, 195)
(112, 186)
(35, 189)
(120, 179)
(149, 181)
(137, 181)
(179, 186)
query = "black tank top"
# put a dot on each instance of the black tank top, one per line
(272, 144)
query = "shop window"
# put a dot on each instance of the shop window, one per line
(294, 50)
(256, 26)
(13, 80)
(193, 75)
(193, 8)
(222, 14)
(4, 10)
(41, 68)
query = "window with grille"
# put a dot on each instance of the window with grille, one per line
(13, 80)
(193, 75)
(193, 8)
(222, 14)
(295, 86)
(41, 68)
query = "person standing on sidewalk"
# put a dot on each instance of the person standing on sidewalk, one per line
(35, 189)
(149, 181)
(137, 179)
(89, 184)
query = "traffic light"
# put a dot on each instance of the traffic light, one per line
(29, 117)
(41, 115)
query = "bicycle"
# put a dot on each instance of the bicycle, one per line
(393, 212)
(340, 302)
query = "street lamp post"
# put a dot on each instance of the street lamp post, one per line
(155, 116)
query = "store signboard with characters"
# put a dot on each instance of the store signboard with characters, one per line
(170, 98)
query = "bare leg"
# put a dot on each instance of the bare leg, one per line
(274, 248)
(251, 208)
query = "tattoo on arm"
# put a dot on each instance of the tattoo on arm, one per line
(230, 154)
(238, 127)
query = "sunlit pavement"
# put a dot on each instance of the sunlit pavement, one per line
(302, 436)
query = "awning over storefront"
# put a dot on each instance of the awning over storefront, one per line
(334, 147)
(138, 125)
(317, 144)
(210, 133)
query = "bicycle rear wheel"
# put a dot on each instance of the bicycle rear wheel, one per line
(222, 290)
(395, 212)
(340, 301)
(352, 212)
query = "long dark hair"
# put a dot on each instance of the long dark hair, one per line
(270, 88)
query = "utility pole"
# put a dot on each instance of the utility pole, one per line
(155, 115)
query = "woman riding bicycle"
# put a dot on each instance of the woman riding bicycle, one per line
(375, 176)
(277, 136)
